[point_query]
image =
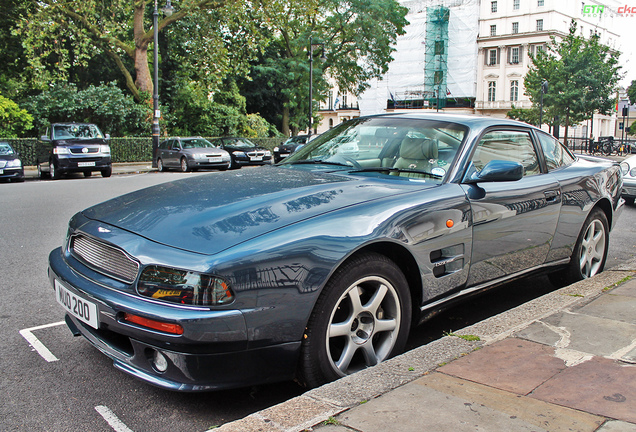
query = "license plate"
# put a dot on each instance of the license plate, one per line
(215, 159)
(256, 158)
(80, 308)
(85, 164)
(284, 155)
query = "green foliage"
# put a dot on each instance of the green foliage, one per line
(632, 129)
(530, 116)
(105, 105)
(631, 92)
(14, 121)
(582, 75)
(358, 38)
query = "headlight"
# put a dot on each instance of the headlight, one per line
(104, 149)
(15, 163)
(633, 172)
(199, 156)
(624, 168)
(61, 150)
(275, 149)
(239, 153)
(184, 287)
(268, 153)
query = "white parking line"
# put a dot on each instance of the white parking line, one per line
(112, 419)
(35, 342)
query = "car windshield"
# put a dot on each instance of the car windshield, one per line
(191, 143)
(5, 149)
(81, 131)
(386, 145)
(241, 143)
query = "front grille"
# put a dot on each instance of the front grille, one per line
(104, 258)
(75, 150)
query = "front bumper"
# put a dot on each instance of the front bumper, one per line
(12, 173)
(211, 354)
(83, 164)
(629, 190)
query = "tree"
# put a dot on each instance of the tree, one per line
(61, 35)
(14, 121)
(358, 37)
(631, 92)
(105, 105)
(582, 76)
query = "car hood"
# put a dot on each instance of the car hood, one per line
(210, 213)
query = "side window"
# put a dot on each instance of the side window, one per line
(509, 146)
(176, 145)
(164, 144)
(556, 154)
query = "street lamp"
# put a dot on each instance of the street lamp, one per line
(544, 90)
(311, 78)
(168, 9)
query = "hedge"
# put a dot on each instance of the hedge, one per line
(122, 149)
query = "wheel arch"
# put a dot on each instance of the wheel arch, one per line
(606, 207)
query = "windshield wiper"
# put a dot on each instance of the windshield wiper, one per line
(404, 170)
(319, 162)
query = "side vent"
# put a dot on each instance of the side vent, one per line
(447, 260)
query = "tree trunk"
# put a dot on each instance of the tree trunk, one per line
(567, 126)
(143, 78)
(285, 121)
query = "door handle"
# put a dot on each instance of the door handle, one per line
(551, 195)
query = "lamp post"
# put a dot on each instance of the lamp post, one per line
(168, 9)
(311, 78)
(544, 90)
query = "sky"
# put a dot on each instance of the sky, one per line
(626, 28)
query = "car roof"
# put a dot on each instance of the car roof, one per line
(473, 121)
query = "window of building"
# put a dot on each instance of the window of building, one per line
(515, 27)
(439, 77)
(493, 30)
(492, 57)
(539, 25)
(514, 55)
(492, 87)
(540, 2)
(515, 4)
(439, 47)
(514, 91)
(493, 6)
(330, 100)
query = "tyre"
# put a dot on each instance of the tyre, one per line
(160, 166)
(361, 318)
(41, 175)
(107, 172)
(184, 165)
(629, 201)
(87, 173)
(54, 173)
(234, 164)
(590, 251)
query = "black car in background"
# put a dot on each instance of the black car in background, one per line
(190, 154)
(243, 152)
(288, 147)
(10, 164)
(73, 147)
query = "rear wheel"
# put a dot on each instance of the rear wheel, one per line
(590, 251)
(160, 166)
(361, 318)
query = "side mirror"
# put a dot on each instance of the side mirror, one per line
(107, 136)
(496, 171)
(44, 138)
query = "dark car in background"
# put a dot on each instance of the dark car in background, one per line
(243, 152)
(190, 154)
(73, 148)
(319, 266)
(288, 147)
(10, 163)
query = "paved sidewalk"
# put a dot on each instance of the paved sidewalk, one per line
(563, 362)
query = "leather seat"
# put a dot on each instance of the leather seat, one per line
(416, 154)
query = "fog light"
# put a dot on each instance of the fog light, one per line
(159, 361)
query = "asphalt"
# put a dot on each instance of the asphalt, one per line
(565, 361)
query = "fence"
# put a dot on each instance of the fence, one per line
(582, 145)
(122, 149)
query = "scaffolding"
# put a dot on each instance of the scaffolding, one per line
(436, 55)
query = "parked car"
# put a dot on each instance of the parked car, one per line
(628, 169)
(190, 154)
(244, 152)
(73, 147)
(318, 267)
(10, 164)
(288, 147)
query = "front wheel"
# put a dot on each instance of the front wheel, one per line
(107, 172)
(590, 251)
(184, 165)
(54, 173)
(361, 318)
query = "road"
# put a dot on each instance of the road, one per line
(74, 387)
